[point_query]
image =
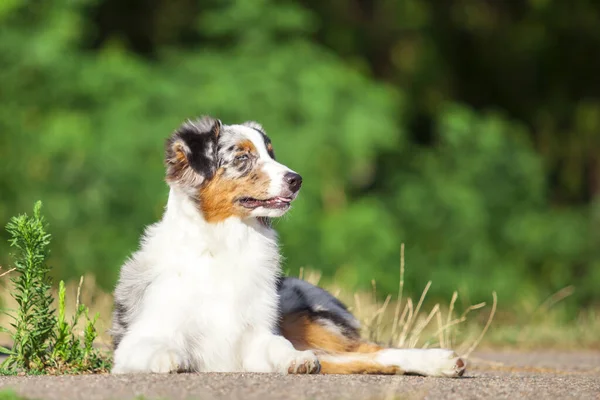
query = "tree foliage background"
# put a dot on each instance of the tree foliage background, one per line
(467, 129)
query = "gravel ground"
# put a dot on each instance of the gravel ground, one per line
(540, 375)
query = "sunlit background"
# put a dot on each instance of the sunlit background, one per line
(466, 129)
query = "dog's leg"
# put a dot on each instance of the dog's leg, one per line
(266, 352)
(153, 343)
(428, 362)
(137, 354)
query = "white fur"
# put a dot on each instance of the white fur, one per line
(428, 362)
(211, 300)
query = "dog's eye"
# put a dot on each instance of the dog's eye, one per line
(242, 157)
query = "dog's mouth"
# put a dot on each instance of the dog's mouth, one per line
(276, 203)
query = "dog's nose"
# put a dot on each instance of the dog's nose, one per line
(294, 180)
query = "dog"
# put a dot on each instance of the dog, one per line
(204, 293)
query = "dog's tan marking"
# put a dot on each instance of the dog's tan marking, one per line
(305, 334)
(216, 129)
(246, 146)
(367, 347)
(358, 365)
(218, 196)
(177, 164)
(337, 353)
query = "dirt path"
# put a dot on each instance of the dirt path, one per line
(541, 375)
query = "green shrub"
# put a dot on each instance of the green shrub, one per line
(41, 341)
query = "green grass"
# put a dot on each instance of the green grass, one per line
(9, 394)
(42, 341)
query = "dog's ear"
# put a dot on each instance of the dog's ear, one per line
(191, 152)
(254, 125)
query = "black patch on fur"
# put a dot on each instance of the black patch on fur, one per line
(119, 317)
(298, 296)
(200, 137)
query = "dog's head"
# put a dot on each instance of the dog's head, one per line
(230, 170)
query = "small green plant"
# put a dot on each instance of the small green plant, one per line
(69, 352)
(9, 394)
(43, 343)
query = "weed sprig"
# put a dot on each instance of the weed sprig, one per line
(43, 343)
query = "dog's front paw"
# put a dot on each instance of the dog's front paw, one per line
(144, 357)
(304, 362)
(164, 362)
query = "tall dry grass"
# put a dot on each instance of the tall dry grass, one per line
(405, 323)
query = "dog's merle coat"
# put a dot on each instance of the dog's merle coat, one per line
(204, 291)
(300, 297)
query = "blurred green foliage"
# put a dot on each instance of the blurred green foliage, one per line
(467, 130)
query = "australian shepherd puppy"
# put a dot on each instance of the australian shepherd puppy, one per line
(205, 293)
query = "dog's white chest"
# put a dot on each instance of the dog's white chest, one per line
(217, 300)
